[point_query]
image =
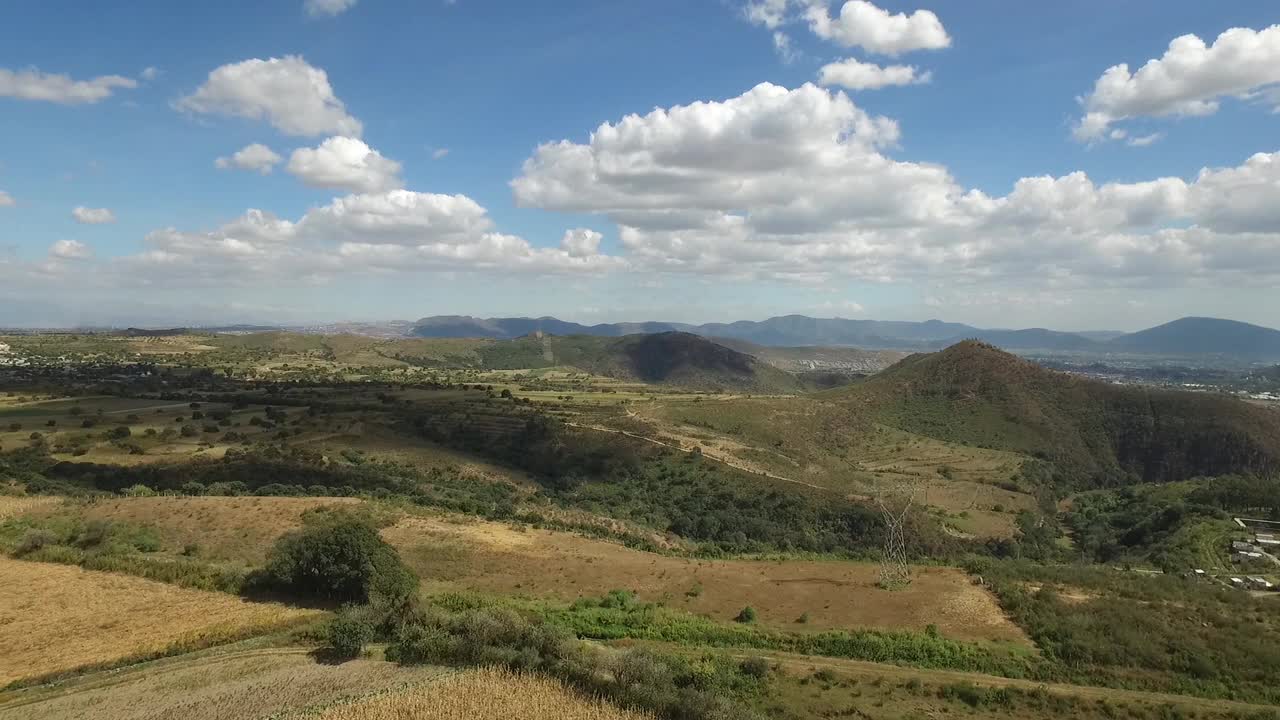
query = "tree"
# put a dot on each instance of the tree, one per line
(341, 560)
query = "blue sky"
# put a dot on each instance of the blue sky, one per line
(748, 204)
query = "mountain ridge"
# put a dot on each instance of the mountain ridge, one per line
(1190, 336)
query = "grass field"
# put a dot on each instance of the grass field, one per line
(242, 684)
(56, 618)
(10, 506)
(238, 530)
(775, 436)
(484, 694)
(455, 553)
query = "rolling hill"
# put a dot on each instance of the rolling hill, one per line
(1202, 336)
(788, 330)
(670, 358)
(1095, 434)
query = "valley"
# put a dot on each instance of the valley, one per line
(661, 494)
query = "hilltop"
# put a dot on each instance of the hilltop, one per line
(1202, 336)
(1094, 433)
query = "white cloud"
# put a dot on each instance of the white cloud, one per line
(769, 13)
(345, 163)
(256, 158)
(31, 84)
(93, 216)
(70, 250)
(795, 185)
(581, 242)
(782, 45)
(6, 200)
(399, 230)
(439, 153)
(1190, 79)
(327, 8)
(862, 24)
(855, 75)
(293, 96)
(149, 73)
(1145, 140)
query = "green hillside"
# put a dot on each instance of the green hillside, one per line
(1095, 434)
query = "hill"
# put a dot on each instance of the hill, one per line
(1030, 339)
(1094, 433)
(670, 358)
(788, 330)
(1202, 336)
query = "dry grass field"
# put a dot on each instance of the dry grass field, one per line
(460, 554)
(226, 529)
(11, 506)
(484, 694)
(248, 684)
(55, 618)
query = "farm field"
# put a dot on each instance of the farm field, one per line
(233, 684)
(56, 618)
(485, 694)
(492, 557)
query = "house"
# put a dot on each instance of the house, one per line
(4, 349)
(1242, 547)
(1259, 583)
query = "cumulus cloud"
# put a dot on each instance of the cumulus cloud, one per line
(393, 231)
(70, 250)
(93, 216)
(327, 8)
(149, 73)
(796, 185)
(6, 200)
(31, 84)
(862, 24)
(1190, 79)
(855, 75)
(256, 158)
(293, 96)
(581, 242)
(345, 163)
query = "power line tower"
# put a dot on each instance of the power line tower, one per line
(895, 504)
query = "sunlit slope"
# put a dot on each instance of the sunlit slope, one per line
(1094, 433)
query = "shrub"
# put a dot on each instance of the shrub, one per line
(349, 632)
(747, 615)
(343, 561)
(119, 433)
(35, 539)
(756, 667)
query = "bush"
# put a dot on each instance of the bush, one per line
(746, 616)
(756, 667)
(35, 539)
(349, 632)
(342, 561)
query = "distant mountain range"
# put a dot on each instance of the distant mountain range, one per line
(1186, 337)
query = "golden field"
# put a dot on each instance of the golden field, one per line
(485, 694)
(56, 618)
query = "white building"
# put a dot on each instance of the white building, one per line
(4, 349)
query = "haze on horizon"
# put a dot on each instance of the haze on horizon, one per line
(1091, 167)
